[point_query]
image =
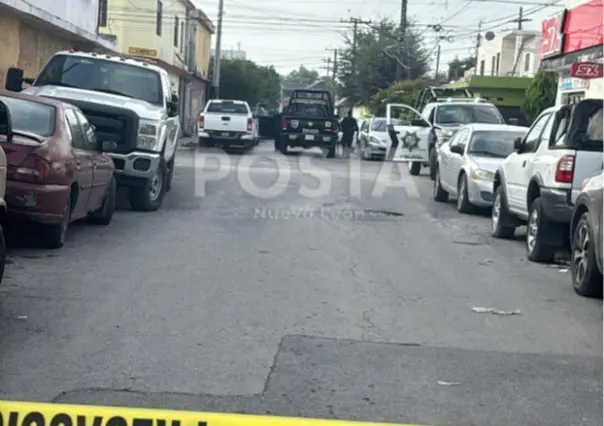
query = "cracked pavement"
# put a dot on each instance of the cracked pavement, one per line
(333, 307)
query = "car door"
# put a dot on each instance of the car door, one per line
(102, 166)
(457, 160)
(172, 121)
(84, 164)
(451, 160)
(515, 167)
(412, 135)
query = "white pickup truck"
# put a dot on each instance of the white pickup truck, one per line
(227, 124)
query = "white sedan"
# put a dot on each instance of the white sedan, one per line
(467, 163)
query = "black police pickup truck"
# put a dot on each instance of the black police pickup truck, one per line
(308, 122)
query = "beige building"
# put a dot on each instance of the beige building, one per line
(515, 54)
(173, 34)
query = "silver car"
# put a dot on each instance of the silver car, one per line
(373, 139)
(466, 164)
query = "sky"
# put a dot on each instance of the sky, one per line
(290, 33)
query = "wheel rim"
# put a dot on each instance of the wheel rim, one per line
(156, 184)
(532, 231)
(460, 193)
(580, 255)
(495, 213)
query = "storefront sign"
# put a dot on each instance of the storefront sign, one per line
(586, 70)
(552, 36)
(142, 51)
(568, 83)
(583, 27)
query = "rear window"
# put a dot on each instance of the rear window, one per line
(227, 108)
(308, 108)
(32, 117)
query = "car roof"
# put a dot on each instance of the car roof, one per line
(33, 98)
(484, 127)
(460, 103)
(228, 101)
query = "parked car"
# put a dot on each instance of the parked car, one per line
(373, 138)
(56, 171)
(540, 182)
(227, 124)
(466, 165)
(5, 131)
(586, 238)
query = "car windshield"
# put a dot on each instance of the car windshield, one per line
(103, 75)
(227, 108)
(466, 114)
(379, 125)
(31, 117)
(498, 144)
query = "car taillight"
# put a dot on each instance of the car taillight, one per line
(284, 124)
(249, 124)
(201, 121)
(565, 169)
(32, 169)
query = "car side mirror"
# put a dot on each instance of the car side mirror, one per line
(14, 80)
(108, 146)
(518, 143)
(419, 123)
(457, 149)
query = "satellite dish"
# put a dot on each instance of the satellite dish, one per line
(490, 35)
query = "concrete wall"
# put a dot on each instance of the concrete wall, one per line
(203, 49)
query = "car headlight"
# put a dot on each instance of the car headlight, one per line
(376, 142)
(482, 175)
(148, 135)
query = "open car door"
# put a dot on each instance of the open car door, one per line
(409, 135)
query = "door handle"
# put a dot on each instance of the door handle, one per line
(524, 163)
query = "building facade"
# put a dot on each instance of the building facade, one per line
(33, 30)
(165, 33)
(515, 54)
(572, 38)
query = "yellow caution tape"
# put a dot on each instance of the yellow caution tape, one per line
(14, 413)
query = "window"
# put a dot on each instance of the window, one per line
(531, 142)
(176, 26)
(103, 75)
(102, 13)
(364, 126)
(498, 62)
(468, 113)
(159, 17)
(32, 117)
(482, 67)
(527, 62)
(78, 140)
(87, 130)
(460, 138)
(496, 144)
(493, 60)
(594, 126)
(227, 108)
(182, 35)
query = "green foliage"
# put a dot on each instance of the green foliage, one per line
(302, 76)
(376, 60)
(245, 80)
(540, 94)
(458, 66)
(401, 92)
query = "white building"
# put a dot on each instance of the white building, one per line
(231, 54)
(513, 54)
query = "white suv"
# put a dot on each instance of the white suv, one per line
(538, 184)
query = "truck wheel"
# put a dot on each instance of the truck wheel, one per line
(500, 216)
(432, 163)
(54, 235)
(587, 278)
(537, 250)
(282, 147)
(2, 254)
(104, 215)
(150, 196)
(415, 167)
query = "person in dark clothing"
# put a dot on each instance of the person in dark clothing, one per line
(349, 128)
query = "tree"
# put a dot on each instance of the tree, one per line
(540, 94)
(302, 76)
(376, 61)
(458, 66)
(245, 80)
(404, 92)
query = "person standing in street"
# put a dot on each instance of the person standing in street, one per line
(349, 128)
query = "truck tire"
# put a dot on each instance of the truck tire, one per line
(170, 173)
(149, 196)
(414, 168)
(282, 146)
(104, 215)
(54, 236)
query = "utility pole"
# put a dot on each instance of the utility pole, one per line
(521, 19)
(355, 31)
(217, 52)
(478, 40)
(402, 31)
(437, 61)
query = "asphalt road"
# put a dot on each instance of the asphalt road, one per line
(338, 306)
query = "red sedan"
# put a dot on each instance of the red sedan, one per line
(57, 172)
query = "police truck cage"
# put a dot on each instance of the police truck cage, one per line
(442, 94)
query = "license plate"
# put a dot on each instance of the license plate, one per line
(225, 134)
(309, 137)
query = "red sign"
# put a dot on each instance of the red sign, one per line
(587, 70)
(552, 36)
(583, 27)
